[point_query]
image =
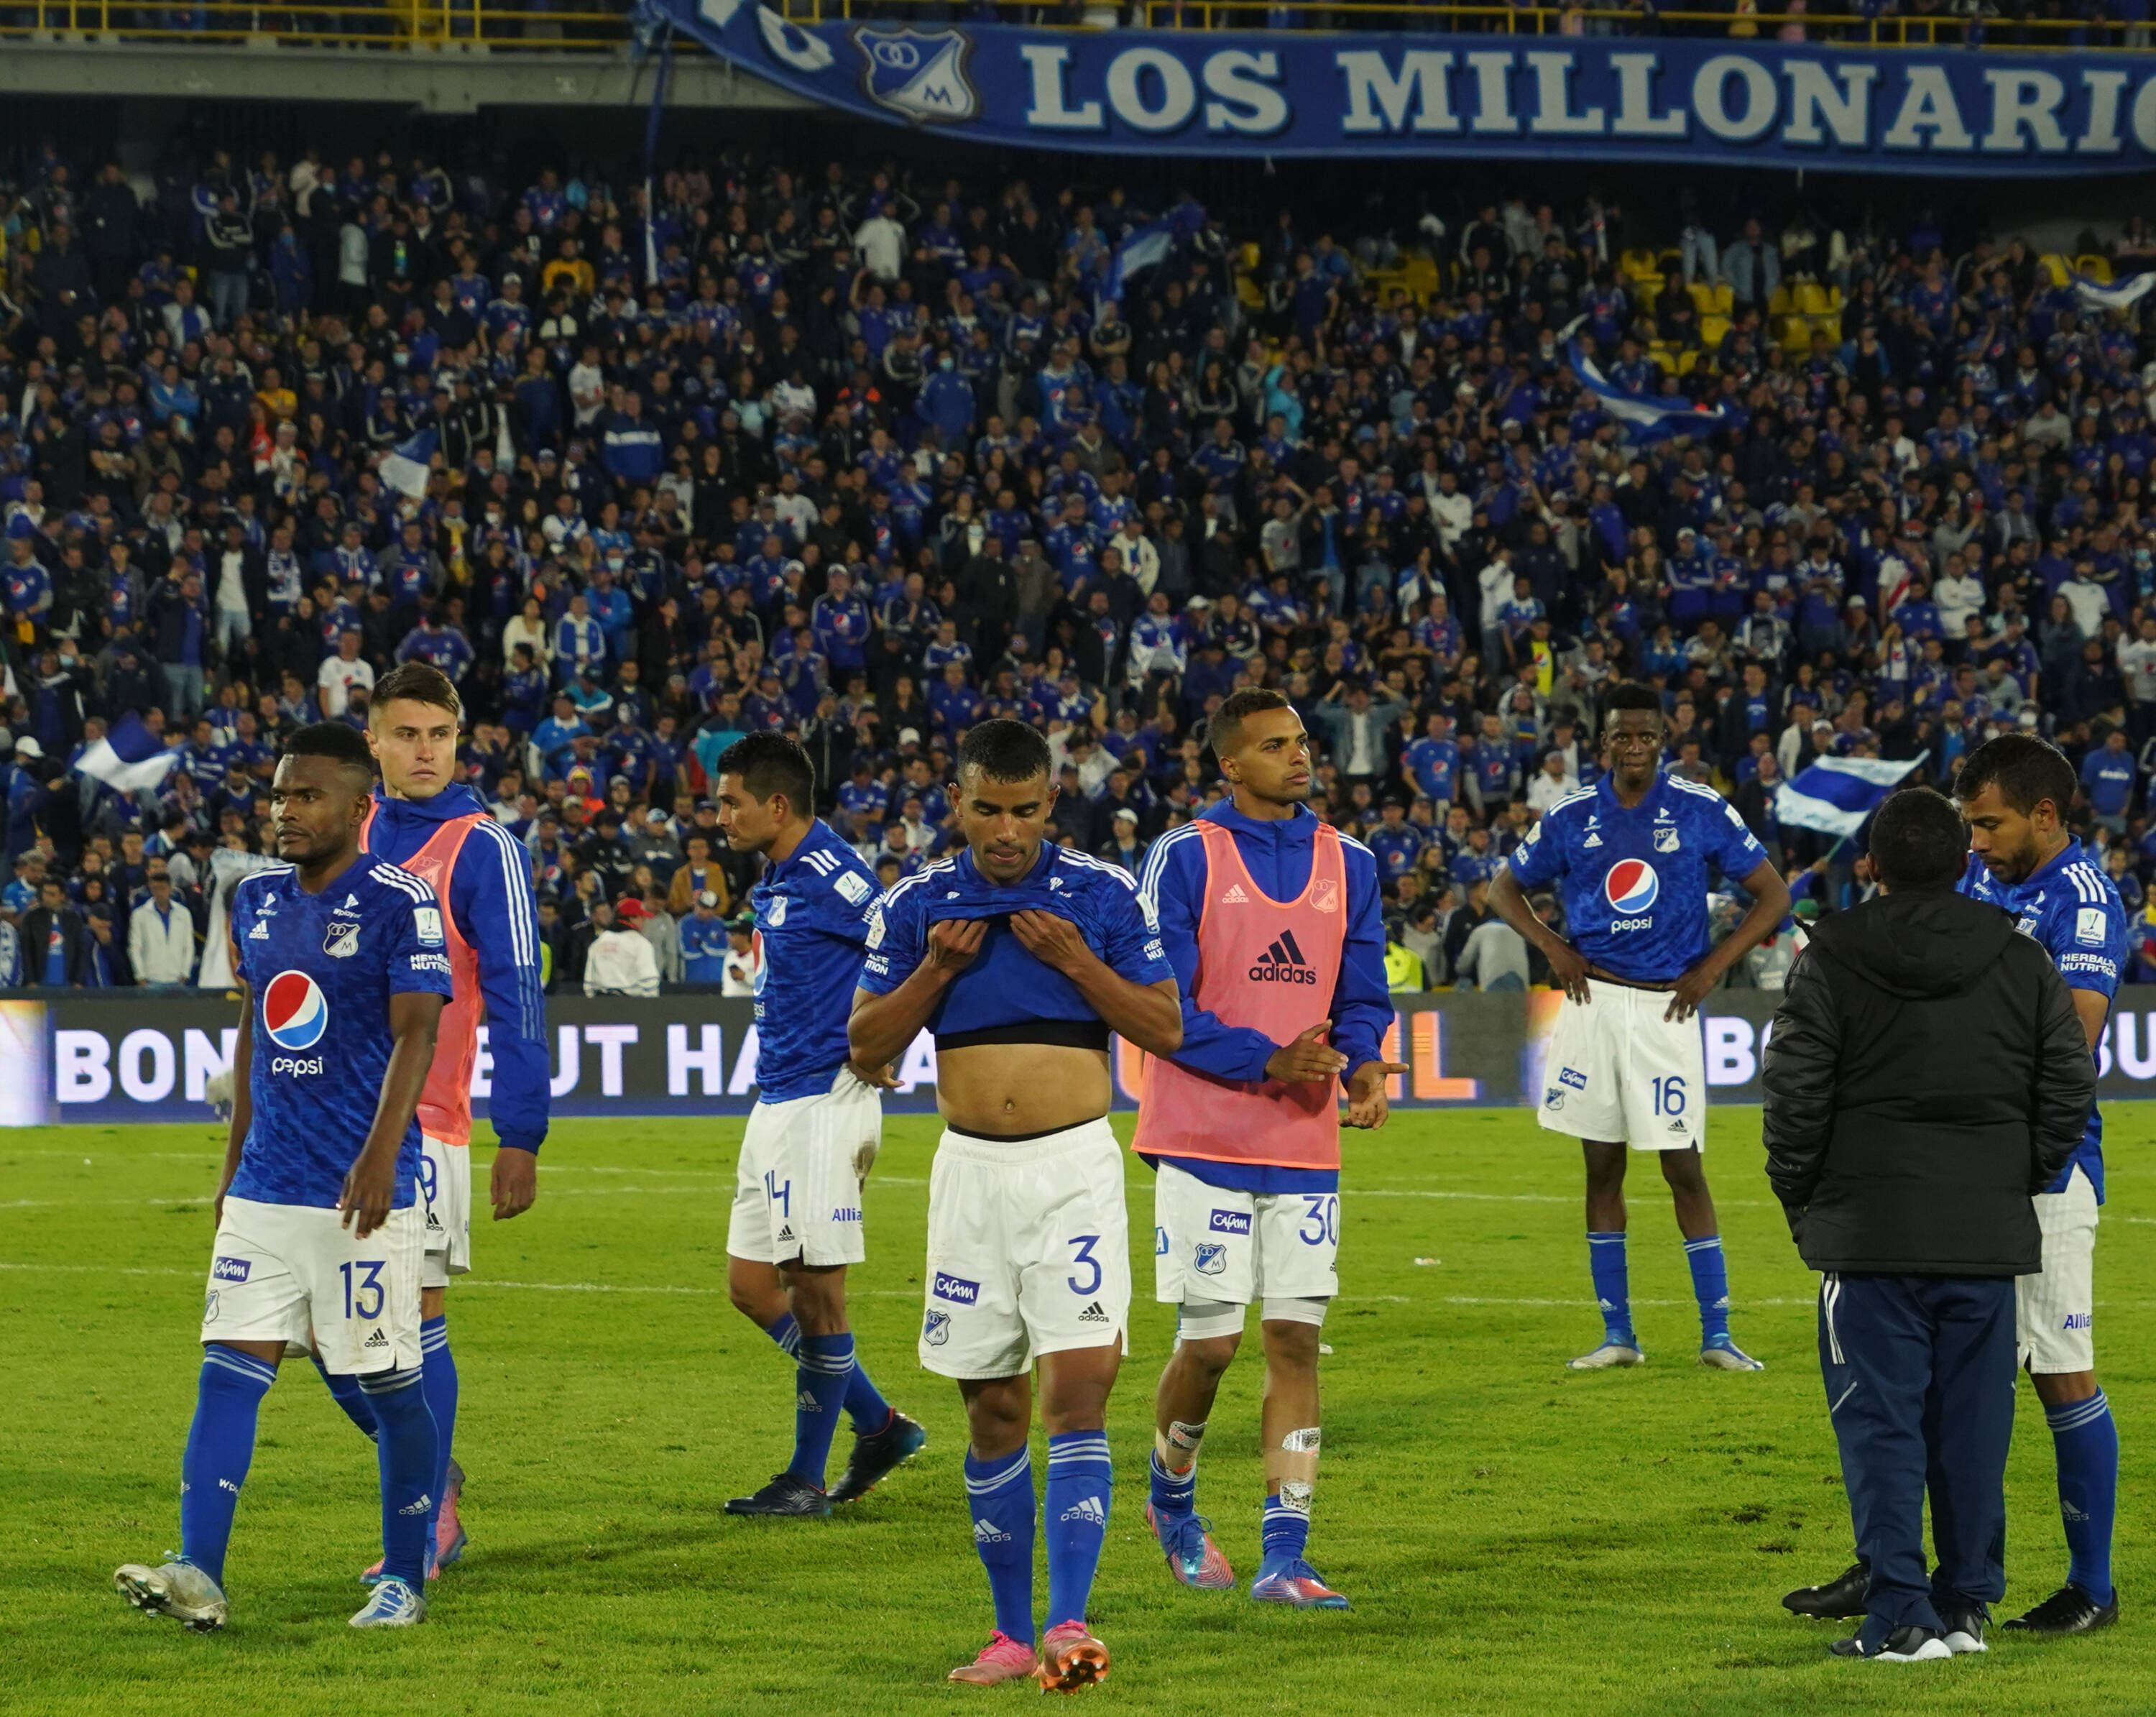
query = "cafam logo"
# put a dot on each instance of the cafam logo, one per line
(920, 74)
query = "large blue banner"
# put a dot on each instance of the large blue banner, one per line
(1704, 101)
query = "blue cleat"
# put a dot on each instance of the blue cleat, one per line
(1296, 1584)
(394, 1605)
(1723, 1354)
(877, 1454)
(1193, 1557)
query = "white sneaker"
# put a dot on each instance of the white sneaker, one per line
(1611, 1353)
(394, 1605)
(1723, 1354)
(177, 1589)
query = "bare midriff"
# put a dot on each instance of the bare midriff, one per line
(993, 1088)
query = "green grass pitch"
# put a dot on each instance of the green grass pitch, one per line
(1516, 1539)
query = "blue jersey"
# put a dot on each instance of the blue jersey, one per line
(812, 917)
(1635, 883)
(320, 970)
(1004, 986)
(2072, 909)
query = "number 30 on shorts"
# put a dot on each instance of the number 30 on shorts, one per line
(1321, 1221)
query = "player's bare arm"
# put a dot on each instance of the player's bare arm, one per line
(370, 1186)
(243, 1097)
(882, 1026)
(1770, 905)
(1149, 1014)
(514, 1182)
(1306, 1058)
(1567, 965)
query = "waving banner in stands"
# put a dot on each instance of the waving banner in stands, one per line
(1696, 100)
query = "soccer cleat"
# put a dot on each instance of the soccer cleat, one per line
(450, 1537)
(1723, 1354)
(2069, 1610)
(785, 1497)
(1295, 1583)
(877, 1454)
(1963, 1624)
(1610, 1353)
(1904, 1645)
(1070, 1659)
(1193, 1557)
(177, 1589)
(1837, 1600)
(394, 1605)
(1003, 1658)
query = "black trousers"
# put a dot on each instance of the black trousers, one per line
(1919, 1373)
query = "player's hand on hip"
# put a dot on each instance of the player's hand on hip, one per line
(1569, 966)
(514, 1182)
(1306, 1058)
(1367, 1106)
(1691, 991)
(1054, 942)
(368, 1189)
(883, 1078)
(952, 942)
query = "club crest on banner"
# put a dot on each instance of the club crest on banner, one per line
(920, 74)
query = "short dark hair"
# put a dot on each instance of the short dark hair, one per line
(771, 763)
(417, 682)
(1003, 750)
(1630, 694)
(1224, 731)
(2025, 768)
(338, 740)
(1919, 844)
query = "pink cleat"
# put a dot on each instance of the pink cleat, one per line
(1003, 1658)
(1295, 1583)
(450, 1537)
(1193, 1557)
(1070, 1659)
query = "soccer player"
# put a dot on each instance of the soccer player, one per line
(429, 822)
(2014, 792)
(1626, 1063)
(1273, 923)
(798, 1212)
(1022, 957)
(343, 970)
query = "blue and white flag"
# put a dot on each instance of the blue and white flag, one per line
(2095, 295)
(130, 759)
(1643, 416)
(1836, 793)
(404, 466)
(1149, 245)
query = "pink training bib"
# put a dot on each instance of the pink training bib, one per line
(1271, 966)
(445, 1105)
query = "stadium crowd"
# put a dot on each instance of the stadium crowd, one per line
(868, 458)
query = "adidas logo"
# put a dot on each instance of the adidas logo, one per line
(1088, 1510)
(2069, 1513)
(988, 1532)
(807, 1403)
(1283, 963)
(787, 1232)
(378, 1339)
(1093, 1315)
(1675, 1127)
(420, 1507)
(1235, 895)
(1592, 840)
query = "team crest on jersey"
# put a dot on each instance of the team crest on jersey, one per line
(1553, 1099)
(775, 913)
(1325, 894)
(1211, 1259)
(341, 941)
(1630, 887)
(919, 75)
(1665, 840)
(936, 1327)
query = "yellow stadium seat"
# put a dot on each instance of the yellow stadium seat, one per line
(1703, 297)
(2096, 268)
(1250, 255)
(2056, 267)
(1811, 298)
(1779, 302)
(1711, 329)
(1687, 362)
(1247, 293)
(1422, 278)
(1796, 334)
(1637, 262)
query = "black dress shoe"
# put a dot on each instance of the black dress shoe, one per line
(1839, 1597)
(2069, 1610)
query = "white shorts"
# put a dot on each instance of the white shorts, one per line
(798, 1191)
(445, 1190)
(1210, 1243)
(1029, 1250)
(2055, 1310)
(1619, 1072)
(284, 1272)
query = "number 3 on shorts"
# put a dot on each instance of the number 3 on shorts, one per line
(1081, 1253)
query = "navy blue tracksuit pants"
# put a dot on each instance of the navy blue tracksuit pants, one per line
(1919, 1373)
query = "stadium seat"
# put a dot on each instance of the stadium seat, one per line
(1249, 294)
(1796, 333)
(1250, 254)
(2057, 267)
(1687, 362)
(1780, 302)
(2096, 268)
(1639, 265)
(1712, 329)
(1811, 298)
(1423, 278)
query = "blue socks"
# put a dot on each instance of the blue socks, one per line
(438, 1378)
(864, 1404)
(1286, 1535)
(786, 1333)
(1000, 1494)
(825, 1363)
(1173, 1493)
(1076, 1517)
(1710, 1286)
(2085, 1438)
(220, 1449)
(409, 1454)
(344, 1389)
(1613, 1287)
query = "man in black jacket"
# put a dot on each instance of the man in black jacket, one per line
(1917, 1100)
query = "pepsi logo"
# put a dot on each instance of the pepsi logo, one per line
(295, 1012)
(1630, 886)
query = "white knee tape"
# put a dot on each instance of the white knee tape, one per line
(1281, 1310)
(1209, 1320)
